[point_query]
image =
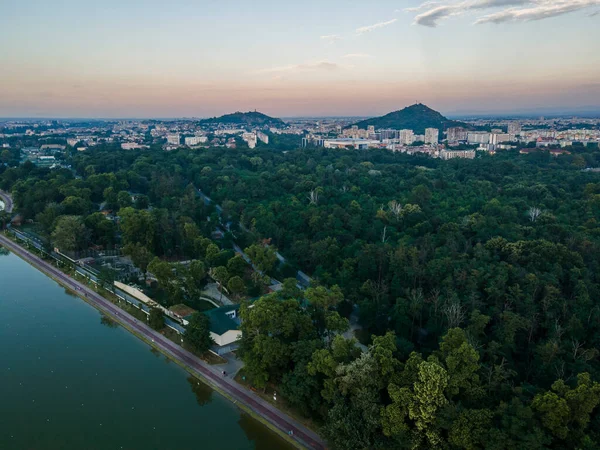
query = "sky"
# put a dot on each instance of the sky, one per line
(198, 58)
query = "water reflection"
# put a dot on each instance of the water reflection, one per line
(108, 322)
(3, 251)
(105, 381)
(202, 392)
(70, 292)
(262, 437)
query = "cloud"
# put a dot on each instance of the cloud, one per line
(358, 55)
(433, 16)
(537, 12)
(483, 4)
(421, 7)
(325, 66)
(375, 26)
(431, 12)
(331, 38)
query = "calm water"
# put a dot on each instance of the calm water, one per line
(70, 380)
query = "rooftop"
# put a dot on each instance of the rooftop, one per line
(220, 322)
(182, 310)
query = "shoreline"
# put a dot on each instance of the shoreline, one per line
(244, 399)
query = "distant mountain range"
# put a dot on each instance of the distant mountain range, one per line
(416, 117)
(251, 118)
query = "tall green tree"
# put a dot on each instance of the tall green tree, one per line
(156, 319)
(263, 257)
(70, 234)
(269, 328)
(197, 333)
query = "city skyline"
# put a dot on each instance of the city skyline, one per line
(192, 59)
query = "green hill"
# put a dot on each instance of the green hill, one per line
(251, 118)
(416, 117)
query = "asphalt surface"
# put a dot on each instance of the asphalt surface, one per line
(213, 376)
(8, 203)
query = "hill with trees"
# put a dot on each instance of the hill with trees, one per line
(416, 117)
(251, 118)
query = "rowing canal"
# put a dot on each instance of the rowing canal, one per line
(70, 379)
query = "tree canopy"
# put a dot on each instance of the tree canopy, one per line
(475, 282)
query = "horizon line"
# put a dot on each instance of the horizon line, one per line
(552, 112)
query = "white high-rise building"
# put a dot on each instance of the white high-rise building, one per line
(432, 135)
(498, 138)
(263, 137)
(407, 137)
(514, 128)
(478, 137)
(174, 139)
(456, 134)
(250, 139)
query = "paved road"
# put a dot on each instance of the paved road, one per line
(7, 199)
(212, 291)
(303, 279)
(212, 375)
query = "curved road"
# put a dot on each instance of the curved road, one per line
(213, 376)
(7, 200)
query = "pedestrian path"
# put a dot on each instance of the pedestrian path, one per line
(212, 375)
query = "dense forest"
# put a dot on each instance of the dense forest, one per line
(476, 282)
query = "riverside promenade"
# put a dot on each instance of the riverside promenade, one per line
(248, 400)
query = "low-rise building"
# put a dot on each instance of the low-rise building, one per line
(195, 140)
(317, 141)
(132, 146)
(224, 328)
(52, 148)
(552, 151)
(359, 144)
(451, 154)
